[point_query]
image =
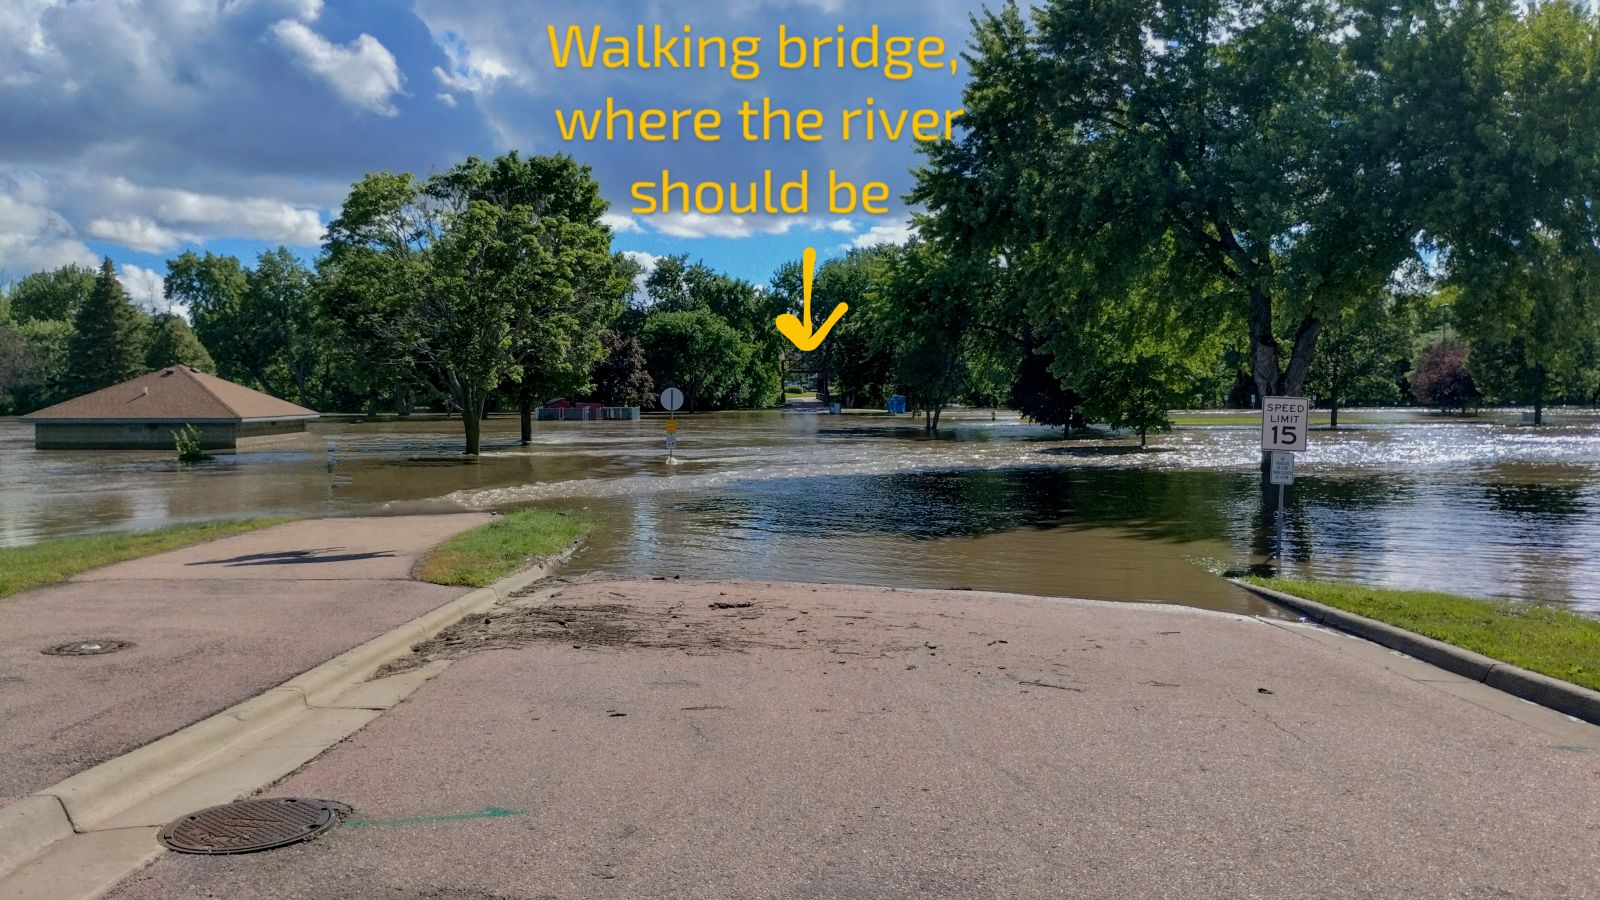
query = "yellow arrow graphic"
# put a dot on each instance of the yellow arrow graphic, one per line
(798, 330)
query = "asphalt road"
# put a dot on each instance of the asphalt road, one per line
(212, 625)
(627, 741)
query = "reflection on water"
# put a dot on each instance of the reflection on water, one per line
(1479, 506)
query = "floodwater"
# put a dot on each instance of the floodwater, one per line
(1479, 506)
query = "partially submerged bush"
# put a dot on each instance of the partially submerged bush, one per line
(187, 440)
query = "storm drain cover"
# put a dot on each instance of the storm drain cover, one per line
(86, 648)
(252, 825)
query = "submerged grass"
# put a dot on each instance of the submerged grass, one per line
(490, 552)
(52, 561)
(1543, 639)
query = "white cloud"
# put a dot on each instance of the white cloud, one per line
(145, 287)
(698, 225)
(621, 224)
(363, 71)
(447, 99)
(200, 216)
(472, 69)
(35, 237)
(136, 233)
(895, 232)
(838, 226)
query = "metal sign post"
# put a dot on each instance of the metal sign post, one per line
(672, 401)
(1284, 423)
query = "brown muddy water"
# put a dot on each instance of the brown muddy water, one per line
(1478, 506)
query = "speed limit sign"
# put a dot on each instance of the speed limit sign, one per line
(1284, 422)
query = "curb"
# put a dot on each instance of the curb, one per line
(31, 825)
(1569, 699)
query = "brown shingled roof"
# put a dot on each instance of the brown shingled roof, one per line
(178, 394)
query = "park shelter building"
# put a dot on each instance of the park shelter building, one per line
(142, 414)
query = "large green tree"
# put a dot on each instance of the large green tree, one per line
(213, 287)
(173, 343)
(53, 296)
(475, 274)
(109, 339)
(699, 353)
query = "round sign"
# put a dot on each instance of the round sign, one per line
(672, 399)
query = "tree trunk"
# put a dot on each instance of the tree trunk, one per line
(472, 402)
(1538, 397)
(526, 399)
(1272, 379)
(1333, 416)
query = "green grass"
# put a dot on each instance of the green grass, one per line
(1544, 639)
(53, 561)
(490, 552)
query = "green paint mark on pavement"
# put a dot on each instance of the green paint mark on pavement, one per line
(489, 812)
(1573, 748)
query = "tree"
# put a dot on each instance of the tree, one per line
(173, 343)
(622, 378)
(677, 287)
(1359, 351)
(700, 354)
(1441, 378)
(1247, 135)
(20, 365)
(213, 287)
(930, 297)
(53, 296)
(556, 333)
(471, 280)
(108, 346)
(43, 381)
(280, 324)
(1038, 394)
(1531, 319)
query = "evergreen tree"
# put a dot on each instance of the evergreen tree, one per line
(109, 346)
(173, 343)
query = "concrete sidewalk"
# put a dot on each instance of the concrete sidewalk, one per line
(628, 740)
(213, 624)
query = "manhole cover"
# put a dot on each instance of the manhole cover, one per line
(87, 648)
(252, 825)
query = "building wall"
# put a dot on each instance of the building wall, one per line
(156, 436)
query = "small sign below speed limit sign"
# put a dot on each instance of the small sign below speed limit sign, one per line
(1284, 423)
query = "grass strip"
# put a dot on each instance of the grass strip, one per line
(56, 560)
(1543, 639)
(490, 552)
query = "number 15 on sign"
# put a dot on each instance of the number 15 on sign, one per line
(1284, 422)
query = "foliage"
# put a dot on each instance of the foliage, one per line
(701, 355)
(855, 364)
(929, 299)
(1544, 639)
(1038, 394)
(1441, 378)
(48, 562)
(173, 343)
(1363, 347)
(1533, 320)
(20, 366)
(622, 379)
(487, 273)
(213, 287)
(737, 361)
(187, 442)
(53, 296)
(507, 545)
(108, 342)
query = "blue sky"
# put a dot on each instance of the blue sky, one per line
(137, 130)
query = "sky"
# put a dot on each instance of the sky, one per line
(137, 129)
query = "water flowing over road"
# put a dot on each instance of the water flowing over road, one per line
(1480, 506)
